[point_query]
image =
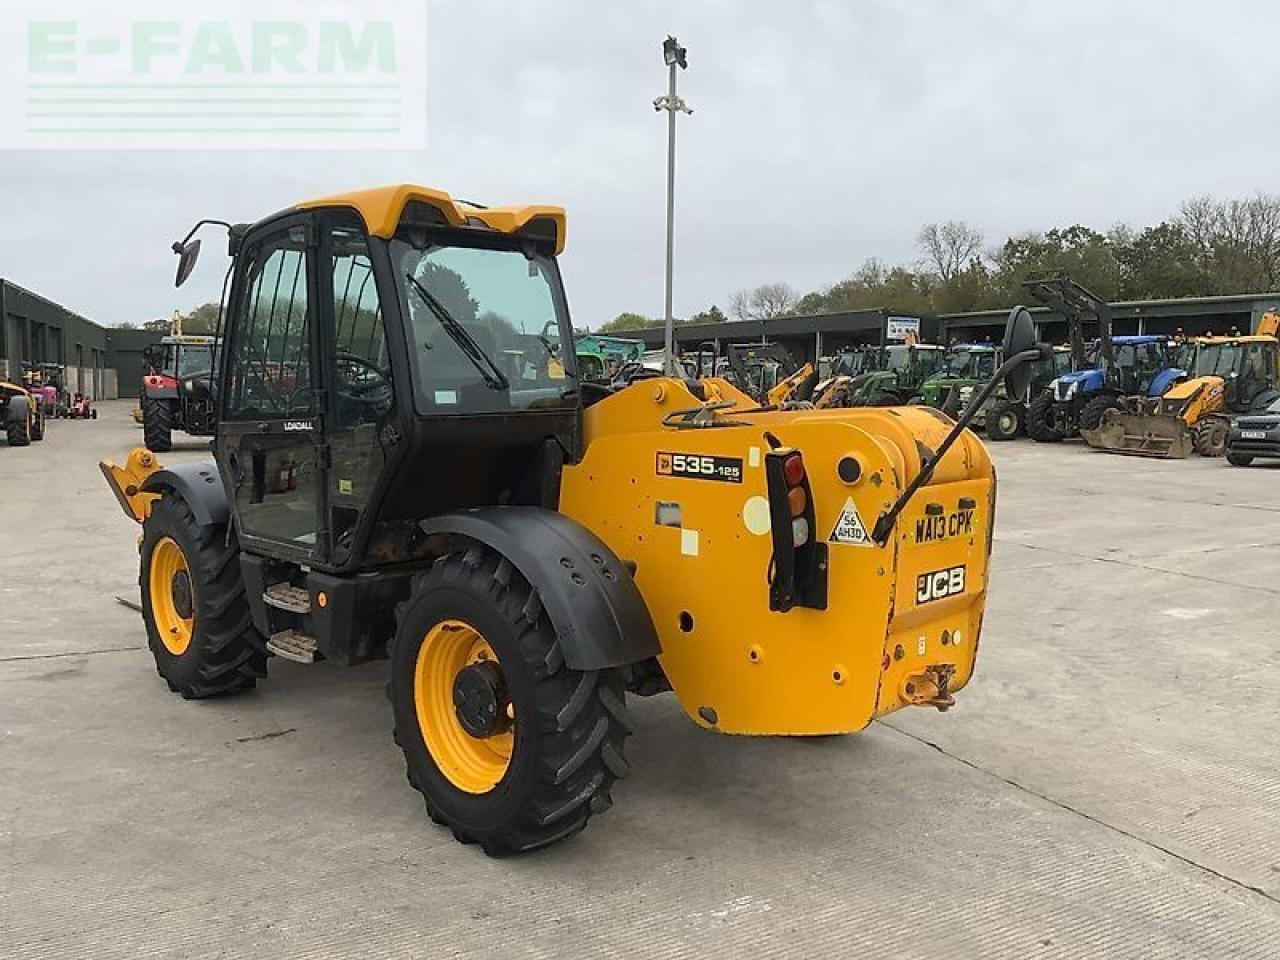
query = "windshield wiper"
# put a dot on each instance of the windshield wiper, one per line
(493, 376)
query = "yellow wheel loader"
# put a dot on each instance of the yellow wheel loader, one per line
(407, 465)
(1229, 376)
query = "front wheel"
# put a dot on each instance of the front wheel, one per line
(1005, 421)
(1238, 459)
(1092, 412)
(37, 426)
(1040, 423)
(194, 607)
(510, 747)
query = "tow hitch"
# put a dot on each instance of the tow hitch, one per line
(929, 688)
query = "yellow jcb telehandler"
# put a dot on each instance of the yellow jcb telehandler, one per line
(1228, 376)
(405, 464)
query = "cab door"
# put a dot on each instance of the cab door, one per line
(360, 419)
(271, 428)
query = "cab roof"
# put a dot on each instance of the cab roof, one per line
(382, 208)
(1127, 340)
(1250, 338)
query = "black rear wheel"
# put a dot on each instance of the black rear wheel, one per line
(1040, 425)
(18, 431)
(511, 748)
(37, 425)
(1005, 421)
(194, 607)
(157, 425)
(1209, 437)
(1091, 413)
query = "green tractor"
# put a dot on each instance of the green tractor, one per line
(885, 376)
(599, 358)
(967, 366)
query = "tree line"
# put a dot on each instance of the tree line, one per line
(1209, 247)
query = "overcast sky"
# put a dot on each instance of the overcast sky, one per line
(824, 133)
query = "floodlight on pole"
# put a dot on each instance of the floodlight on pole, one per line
(673, 55)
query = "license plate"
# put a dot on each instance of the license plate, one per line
(1253, 434)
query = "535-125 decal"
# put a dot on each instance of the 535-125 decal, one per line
(700, 466)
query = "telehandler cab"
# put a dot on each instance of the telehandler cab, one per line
(407, 464)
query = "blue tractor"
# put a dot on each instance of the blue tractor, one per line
(1103, 373)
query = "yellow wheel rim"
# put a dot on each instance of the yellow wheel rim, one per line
(172, 596)
(472, 764)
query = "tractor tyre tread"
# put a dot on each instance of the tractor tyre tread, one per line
(226, 655)
(995, 414)
(1209, 437)
(1092, 412)
(579, 718)
(18, 432)
(1039, 422)
(157, 426)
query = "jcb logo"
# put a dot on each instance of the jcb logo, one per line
(939, 584)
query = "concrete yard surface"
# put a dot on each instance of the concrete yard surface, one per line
(1107, 786)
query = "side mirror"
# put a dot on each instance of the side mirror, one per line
(188, 253)
(1019, 336)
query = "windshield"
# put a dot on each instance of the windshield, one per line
(970, 365)
(851, 363)
(500, 316)
(1140, 356)
(189, 360)
(1216, 359)
(918, 361)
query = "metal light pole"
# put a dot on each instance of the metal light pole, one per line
(674, 56)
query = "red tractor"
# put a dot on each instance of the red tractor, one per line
(81, 408)
(176, 392)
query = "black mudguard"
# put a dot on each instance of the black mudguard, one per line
(197, 483)
(589, 594)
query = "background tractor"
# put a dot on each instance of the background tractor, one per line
(968, 366)
(177, 390)
(21, 414)
(407, 464)
(1103, 374)
(601, 357)
(46, 382)
(1229, 376)
(884, 376)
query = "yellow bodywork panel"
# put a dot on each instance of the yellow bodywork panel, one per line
(896, 615)
(382, 207)
(126, 482)
(1206, 394)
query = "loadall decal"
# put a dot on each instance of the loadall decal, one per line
(957, 523)
(696, 466)
(939, 584)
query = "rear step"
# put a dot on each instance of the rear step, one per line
(292, 645)
(285, 596)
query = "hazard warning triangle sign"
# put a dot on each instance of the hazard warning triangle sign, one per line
(849, 527)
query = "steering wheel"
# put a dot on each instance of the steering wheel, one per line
(360, 389)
